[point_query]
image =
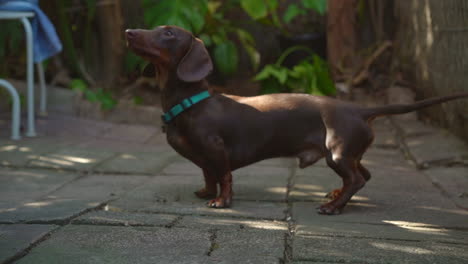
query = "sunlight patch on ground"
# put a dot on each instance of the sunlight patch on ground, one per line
(63, 160)
(418, 227)
(25, 149)
(400, 248)
(37, 204)
(8, 148)
(55, 161)
(267, 225)
(128, 156)
(76, 159)
(7, 210)
(279, 190)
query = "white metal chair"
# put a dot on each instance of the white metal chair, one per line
(30, 131)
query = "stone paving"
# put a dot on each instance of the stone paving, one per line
(94, 192)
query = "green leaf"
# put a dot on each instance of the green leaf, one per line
(188, 14)
(137, 100)
(195, 16)
(272, 4)
(255, 8)
(273, 71)
(248, 42)
(78, 85)
(265, 73)
(325, 83)
(225, 57)
(91, 96)
(320, 6)
(292, 11)
(206, 39)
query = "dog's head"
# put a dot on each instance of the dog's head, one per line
(172, 49)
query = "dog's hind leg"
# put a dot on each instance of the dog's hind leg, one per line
(353, 181)
(345, 151)
(364, 173)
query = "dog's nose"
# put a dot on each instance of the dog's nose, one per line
(131, 34)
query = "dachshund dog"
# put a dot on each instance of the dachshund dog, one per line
(221, 133)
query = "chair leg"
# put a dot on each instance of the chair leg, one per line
(43, 103)
(15, 113)
(31, 131)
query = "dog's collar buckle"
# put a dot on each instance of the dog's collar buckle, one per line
(184, 105)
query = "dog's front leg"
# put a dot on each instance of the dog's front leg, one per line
(217, 164)
(210, 190)
(225, 197)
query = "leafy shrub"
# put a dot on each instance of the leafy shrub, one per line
(311, 75)
(103, 97)
(204, 18)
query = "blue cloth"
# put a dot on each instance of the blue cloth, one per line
(45, 40)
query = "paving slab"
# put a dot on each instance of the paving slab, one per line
(261, 183)
(175, 194)
(248, 246)
(103, 217)
(72, 199)
(444, 147)
(453, 180)
(112, 244)
(20, 186)
(354, 250)
(71, 158)
(66, 126)
(14, 239)
(317, 225)
(137, 162)
(20, 153)
(227, 223)
(132, 133)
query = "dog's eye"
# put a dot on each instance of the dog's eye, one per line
(169, 33)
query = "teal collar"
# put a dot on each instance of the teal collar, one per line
(184, 105)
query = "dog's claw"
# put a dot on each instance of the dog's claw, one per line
(219, 203)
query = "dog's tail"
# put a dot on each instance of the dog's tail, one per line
(396, 109)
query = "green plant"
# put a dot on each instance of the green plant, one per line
(103, 97)
(204, 18)
(267, 10)
(311, 75)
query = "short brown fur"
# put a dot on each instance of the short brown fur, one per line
(226, 132)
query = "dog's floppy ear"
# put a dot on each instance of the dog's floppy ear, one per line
(149, 70)
(196, 64)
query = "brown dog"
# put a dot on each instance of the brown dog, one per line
(222, 132)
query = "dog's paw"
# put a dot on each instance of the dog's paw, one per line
(205, 194)
(219, 202)
(328, 209)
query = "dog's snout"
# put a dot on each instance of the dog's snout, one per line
(131, 34)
